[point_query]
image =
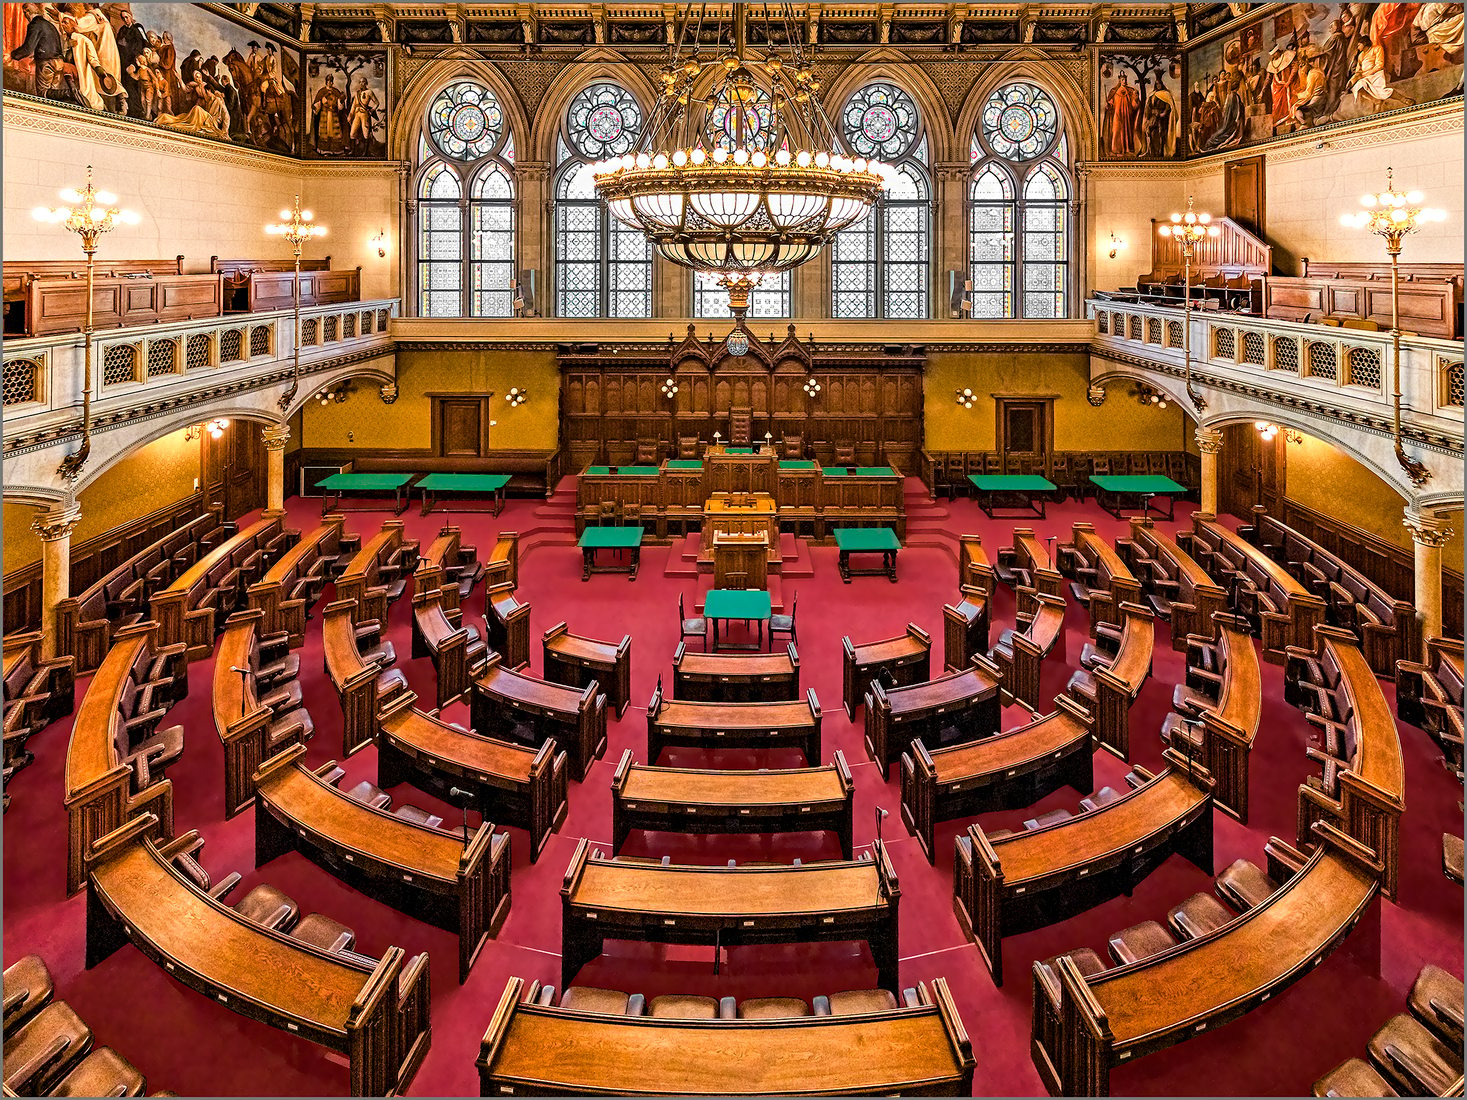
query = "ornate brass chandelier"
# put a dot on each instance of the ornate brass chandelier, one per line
(739, 172)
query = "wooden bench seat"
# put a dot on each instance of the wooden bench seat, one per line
(894, 662)
(685, 724)
(509, 704)
(965, 628)
(507, 623)
(957, 706)
(1177, 588)
(1099, 576)
(1109, 689)
(361, 685)
(1019, 652)
(363, 578)
(459, 654)
(296, 580)
(578, 661)
(1429, 695)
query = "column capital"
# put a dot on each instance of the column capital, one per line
(1426, 529)
(1095, 395)
(387, 392)
(58, 522)
(275, 437)
(1209, 440)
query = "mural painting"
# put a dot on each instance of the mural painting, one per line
(346, 104)
(1140, 105)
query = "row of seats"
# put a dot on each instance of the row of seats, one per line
(1070, 471)
(37, 693)
(1429, 695)
(1198, 692)
(276, 672)
(48, 1047)
(684, 1006)
(1312, 683)
(157, 680)
(369, 794)
(1251, 590)
(1100, 798)
(464, 572)
(1415, 1053)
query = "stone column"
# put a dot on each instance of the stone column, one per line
(949, 232)
(1209, 442)
(1429, 533)
(55, 526)
(275, 438)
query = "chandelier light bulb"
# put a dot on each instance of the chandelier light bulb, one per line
(643, 160)
(720, 155)
(782, 158)
(822, 159)
(679, 158)
(759, 160)
(699, 155)
(741, 155)
(803, 158)
(659, 161)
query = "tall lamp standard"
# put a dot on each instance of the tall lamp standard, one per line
(297, 228)
(1393, 214)
(1189, 230)
(90, 213)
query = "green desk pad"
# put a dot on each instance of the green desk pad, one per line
(861, 471)
(738, 450)
(796, 464)
(734, 603)
(464, 483)
(853, 539)
(684, 463)
(623, 471)
(611, 538)
(1137, 483)
(998, 483)
(364, 482)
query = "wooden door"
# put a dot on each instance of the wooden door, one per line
(1243, 195)
(234, 468)
(1025, 431)
(1250, 471)
(459, 427)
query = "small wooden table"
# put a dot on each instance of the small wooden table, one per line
(1026, 492)
(464, 485)
(1115, 489)
(751, 605)
(611, 538)
(867, 540)
(375, 486)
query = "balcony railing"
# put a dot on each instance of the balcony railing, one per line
(156, 363)
(1347, 368)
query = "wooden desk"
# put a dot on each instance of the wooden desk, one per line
(727, 906)
(905, 658)
(1012, 769)
(514, 784)
(425, 872)
(457, 657)
(1103, 1020)
(504, 563)
(1118, 684)
(1030, 555)
(574, 717)
(99, 794)
(272, 594)
(733, 725)
(580, 662)
(176, 609)
(1089, 558)
(377, 1015)
(240, 719)
(687, 800)
(530, 1049)
(1039, 876)
(1372, 789)
(966, 699)
(741, 514)
(1175, 583)
(507, 623)
(356, 682)
(359, 580)
(736, 677)
(1229, 727)
(964, 628)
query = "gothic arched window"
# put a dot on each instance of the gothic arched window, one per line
(1018, 207)
(602, 268)
(880, 267)
(465, 213)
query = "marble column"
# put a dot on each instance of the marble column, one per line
(275, 438)
(55, 526)
(1429, 533)
(1209, 443)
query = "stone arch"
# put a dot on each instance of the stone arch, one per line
(163, 426)
(1172, 387)
(34, 496)
(432, 78)
(897, 68)
(591, 66)
(374, 369)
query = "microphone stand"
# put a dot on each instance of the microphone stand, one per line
(462, 799)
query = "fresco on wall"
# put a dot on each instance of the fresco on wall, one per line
(1140, 105)
(175, 66)
(1310, 64)
(346, 104)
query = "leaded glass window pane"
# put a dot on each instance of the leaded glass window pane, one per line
(880, 122)
(771, 298)
(465, 121)
(603, 121)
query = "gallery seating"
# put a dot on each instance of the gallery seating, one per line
(37, 693)
(363, 682)
(377, 574)
(1429, 695)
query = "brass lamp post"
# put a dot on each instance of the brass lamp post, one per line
(297, 228)
(1393, 214)
(1189, 230)
(89, 214)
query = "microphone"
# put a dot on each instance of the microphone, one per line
(464, 799)
(876, 849)
(238, 668)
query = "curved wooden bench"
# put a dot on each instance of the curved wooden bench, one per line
(359, 684)
(736, 677)
(685, 724)
(188, 609)
(1175, 585)
(1019, 653)
(242, 721)
(968, 698)
(1091, 562)
(577, 661)
(360, 579)
(507, 623)
(974, 570)
(964, 628)
(458, 653)
(504, 701)
(905, 658)
(284, 593)
(503, 565)
(1117, 684)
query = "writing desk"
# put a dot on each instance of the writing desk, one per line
(1116, 489)
(751, 605)
(905, 659)
(736, 677)
(733, 725)
(1025, 492)
(373, 486)
(965, 701)
(616, 539)
(464, 485)
(522, 708)
(867, 540)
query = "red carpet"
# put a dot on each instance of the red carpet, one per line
(186, 1043)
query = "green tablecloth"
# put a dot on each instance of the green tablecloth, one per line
(464, 483)
(861, 471)
(734, 603)
(1137, 483)
(738, 450)
(866, 539)
(623, 471)
(684, 463)
(1011, 483)
(796, 464)
(611, 538)
(362, 483)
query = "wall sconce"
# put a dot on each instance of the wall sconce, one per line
(516, 397)
(812, 387)
(379, 242)
(338, 395)
(1149, 397)
(669, 388)
(1268, 431)
(967, 398)
(1116, 244)
(215, 428)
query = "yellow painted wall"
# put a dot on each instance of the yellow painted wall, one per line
(405, 424)
(1118, 425)
(159, 474)
(1326, 479)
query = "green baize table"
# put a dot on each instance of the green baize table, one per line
(858, 471)
(867, 540)
(611, 538)
(464, 485)
(751, 605)
(1115, 489)
(1027, 492)
(372, 485)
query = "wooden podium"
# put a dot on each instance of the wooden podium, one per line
(740, 561)
(739, 470)
(741, 514)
